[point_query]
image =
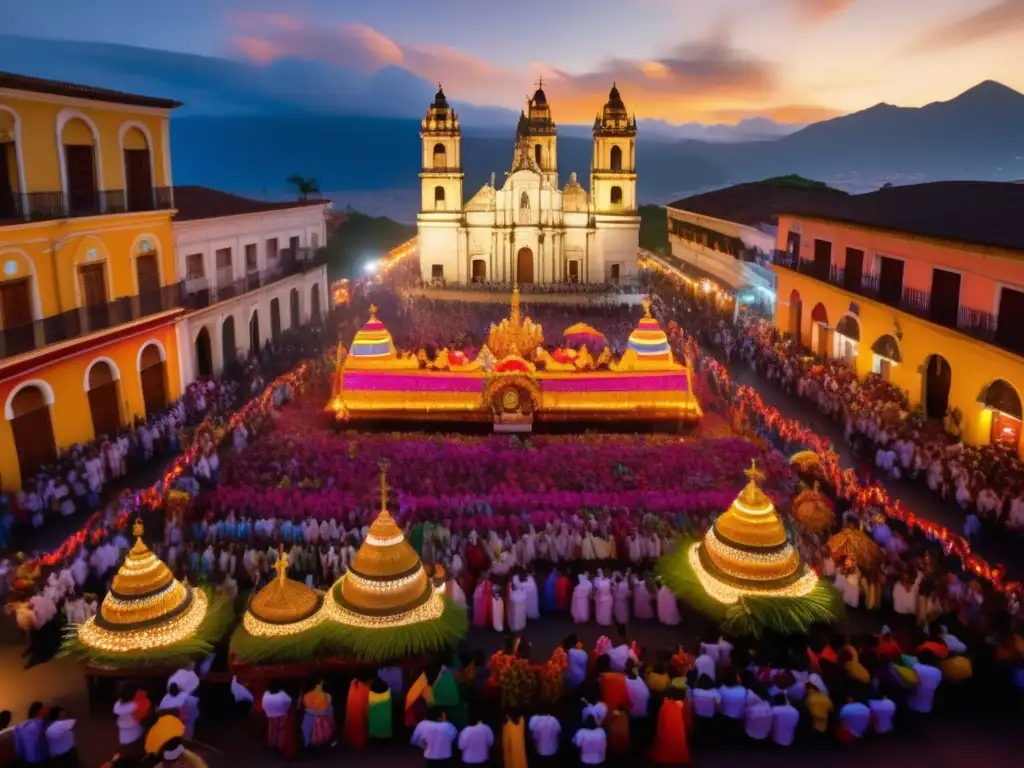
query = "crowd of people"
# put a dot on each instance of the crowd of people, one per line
(500, 286)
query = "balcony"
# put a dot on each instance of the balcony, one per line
(199, 294)
(191, 295)
(971, 322)
(85, 320)
(17, 208)
(442, 169)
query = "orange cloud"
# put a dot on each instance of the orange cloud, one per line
(820, 10)
(693, 82)
(998, 19)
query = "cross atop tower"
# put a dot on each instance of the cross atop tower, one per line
(540, 83)
(754, 474)
(384, 487)
(281, 566)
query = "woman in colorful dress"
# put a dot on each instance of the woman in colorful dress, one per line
(670, 742)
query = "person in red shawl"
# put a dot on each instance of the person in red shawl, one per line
(614, 692)
(552, 677)
(357, 708)
(563, 592)
(482, 603)
(671, 746)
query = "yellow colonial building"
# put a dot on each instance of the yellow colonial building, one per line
(88, 290)
(922, 285)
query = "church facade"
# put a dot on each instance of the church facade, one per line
(529, 229)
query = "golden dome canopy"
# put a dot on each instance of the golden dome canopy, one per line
(387, 576)
(515, 335)
(373, 340)
(284, 600)
(144, 591)
(747, 547)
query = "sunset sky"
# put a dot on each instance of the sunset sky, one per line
(680, 60)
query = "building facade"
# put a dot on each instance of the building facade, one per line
(116, 288)
(250, 272)
(937, 317)
(87, 277)
(529, 229)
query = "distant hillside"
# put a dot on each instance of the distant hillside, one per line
(360, 239)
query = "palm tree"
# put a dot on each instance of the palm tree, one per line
(306, 187)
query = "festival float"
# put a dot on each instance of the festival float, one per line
(149, 618)
(387, 607)
(747, 575)
(514, 381)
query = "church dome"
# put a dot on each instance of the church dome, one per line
(648, 340)
(373, 340)
(144, 592)
(284, 600)
(574, 196)
(386, 577)
(614, 119)
(539, 97)
(747, 549)
(440, 101)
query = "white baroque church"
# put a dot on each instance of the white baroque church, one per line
(529, 229)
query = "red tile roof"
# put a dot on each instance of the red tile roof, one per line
(757, 202)
(194, 202)
(75, 91)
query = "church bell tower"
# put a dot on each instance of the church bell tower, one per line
(441, 167)
(537, 130)
(613, 167)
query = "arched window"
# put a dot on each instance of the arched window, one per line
(538, 154)
(440, 156)
(438, 198)
(524, 202)
(616, 195)
(616, 158)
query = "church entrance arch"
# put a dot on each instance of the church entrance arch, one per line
(796, 310)
(937, 380)
(524, 266)
(479, 271)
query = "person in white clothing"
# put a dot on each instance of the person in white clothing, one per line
(517, 607)
(668, 607)
(757, 717)
(129, 729)
(545, 731)
(497, 610)
(435, 737)
(475, 743)
(929, 677)
(706, 698)
(785, 718)
(580, 607)
(60, 739)
(883, 710)
(597, 712)
(855, 718)
(591, 741)
(639, 693)
(603, 600)
(184, 706)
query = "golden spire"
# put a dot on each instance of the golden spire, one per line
(373, 313)
(752, 495)
(281, 566)
(646, 304)
(138, 529)
(384, 487)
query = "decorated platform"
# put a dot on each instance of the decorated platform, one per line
(514, 380)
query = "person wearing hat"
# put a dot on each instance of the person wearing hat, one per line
(165, 743)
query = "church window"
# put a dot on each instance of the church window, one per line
(439, 198)
(440, 157)
(616, 158)
(437, 271)
(524, 202)
(616, 195)
(538, 153)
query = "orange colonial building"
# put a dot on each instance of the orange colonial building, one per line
(923, 285)
(88, 287)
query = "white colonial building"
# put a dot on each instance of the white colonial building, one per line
(250, 272)
(529, 229)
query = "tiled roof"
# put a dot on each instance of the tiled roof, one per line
(974, 212)
(756, 202)
(75, 91)
(194, 202)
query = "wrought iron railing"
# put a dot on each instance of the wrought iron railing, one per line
(18, 207)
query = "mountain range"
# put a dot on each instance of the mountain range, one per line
(245, 129)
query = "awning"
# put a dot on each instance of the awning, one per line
(1001, 396)
(848, 327)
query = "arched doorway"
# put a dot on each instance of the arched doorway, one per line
(294, 311)
(32, 430)
(153, 374)
(254, 332)
(938, 376)
(204, 353)
(479, 271)
(847, 338)
(138, 171)
(819, 330)
(1002, 399)
(314, 303)
(796, 315)
(524, 266)
(228, 344)
(104, 399)
(275, 319)
(885, 354)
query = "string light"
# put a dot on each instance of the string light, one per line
(728, 594)
(174, 631)
(390, 585)
(378, 542)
